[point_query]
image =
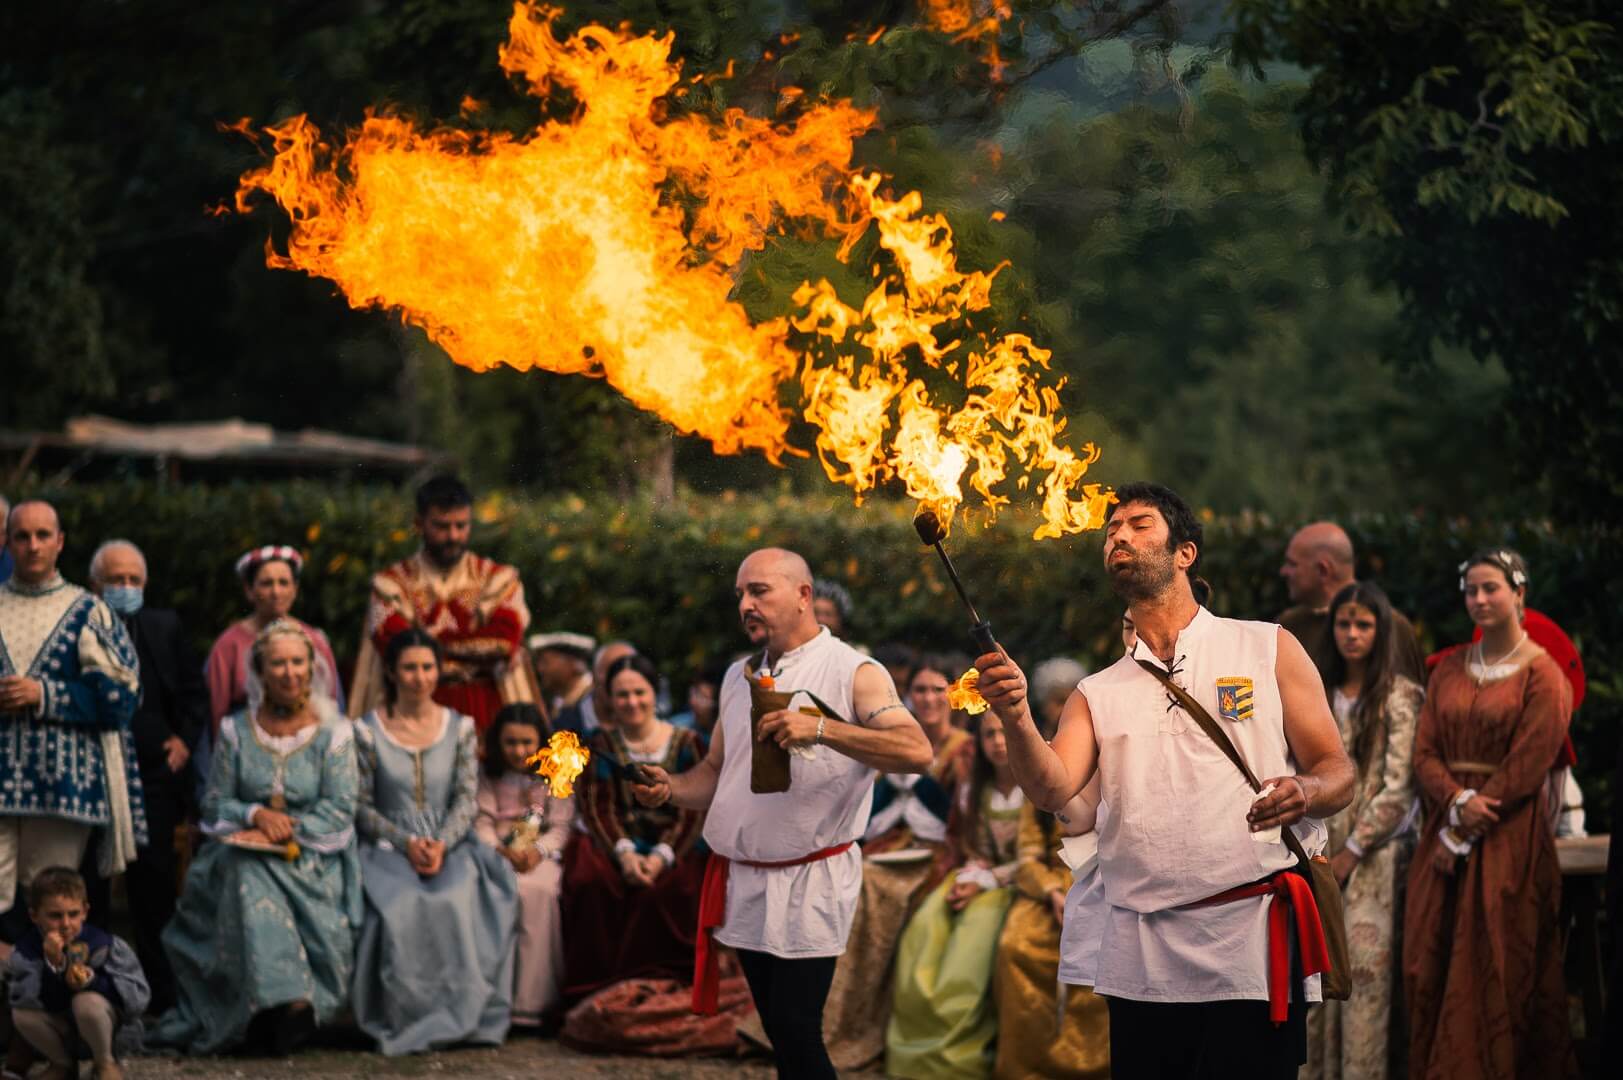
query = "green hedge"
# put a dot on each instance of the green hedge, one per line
(662, 575)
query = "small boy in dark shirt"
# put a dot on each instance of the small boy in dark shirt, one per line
(73, 984)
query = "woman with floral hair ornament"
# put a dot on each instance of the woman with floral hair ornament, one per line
(270, 580)
(1482, 938)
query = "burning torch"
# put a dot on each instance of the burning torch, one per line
(932, 532)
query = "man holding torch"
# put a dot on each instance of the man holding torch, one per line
(1205, 968)
(785, 873)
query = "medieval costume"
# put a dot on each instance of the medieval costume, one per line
(1481, 933)
(434, 963)
(226, 669)
(618, 930)
(1034, 1037)
(942, 1022)
(255, 930)
(68, 766)
(514, 809)
(1351, 1040)
(475, 610)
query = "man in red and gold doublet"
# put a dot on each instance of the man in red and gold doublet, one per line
(473, 606)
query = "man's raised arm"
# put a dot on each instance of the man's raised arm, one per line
(1050, 775)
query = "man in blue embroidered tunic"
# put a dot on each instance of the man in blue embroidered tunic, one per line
(69, 685)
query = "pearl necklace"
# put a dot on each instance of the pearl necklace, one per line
(1486, 667)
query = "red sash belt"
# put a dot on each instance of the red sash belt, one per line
(713, 912)
(1292, 896)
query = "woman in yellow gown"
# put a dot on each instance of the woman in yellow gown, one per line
(1034, 1038)
(942, 1023)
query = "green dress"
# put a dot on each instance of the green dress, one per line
(254, 931)
(942, 1023)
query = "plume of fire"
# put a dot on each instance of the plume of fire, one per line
(608, 244)
(561, 762)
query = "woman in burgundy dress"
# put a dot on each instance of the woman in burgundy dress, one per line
(1482, 945)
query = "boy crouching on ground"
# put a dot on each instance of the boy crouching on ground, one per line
(74, 987)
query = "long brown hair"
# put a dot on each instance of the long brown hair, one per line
(1379, 669)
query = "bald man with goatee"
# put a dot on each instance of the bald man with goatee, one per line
(785, 872)
(1318, 564)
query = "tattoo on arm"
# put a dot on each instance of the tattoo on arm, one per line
(883, 709)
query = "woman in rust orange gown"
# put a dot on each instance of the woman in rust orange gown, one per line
(1482, 945)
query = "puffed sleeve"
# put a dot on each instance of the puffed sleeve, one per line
(107, 687)
(328, 826)
(224, 811)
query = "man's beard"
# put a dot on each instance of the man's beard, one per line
(445, 554)
(1143, 577)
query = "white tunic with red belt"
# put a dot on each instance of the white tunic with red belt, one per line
(803, 910)
(1177, 831)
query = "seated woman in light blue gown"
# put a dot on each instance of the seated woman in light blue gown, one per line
(262, 940)
(434, 967)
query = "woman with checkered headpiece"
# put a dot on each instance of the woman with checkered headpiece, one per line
(270, 581)
(1481, 931)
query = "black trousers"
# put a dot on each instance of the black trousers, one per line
(1208, 1040)
(790, 995)
(149, 881)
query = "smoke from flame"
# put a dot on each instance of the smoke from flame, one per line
(608, 244)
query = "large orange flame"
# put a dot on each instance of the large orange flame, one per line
(609, 243)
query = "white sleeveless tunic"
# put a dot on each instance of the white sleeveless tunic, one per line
(1177, 829)
(802, 911)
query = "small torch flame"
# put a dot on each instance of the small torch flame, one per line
(561, 762)
(965, 694)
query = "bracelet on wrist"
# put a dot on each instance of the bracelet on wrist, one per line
(821, 720)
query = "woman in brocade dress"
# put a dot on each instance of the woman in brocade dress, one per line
(261, 944)
(905, 854)
(434, 964)
(1481, 929)
(1377, 710)
(1033, 1039)
(942, 1023)
(631, 882)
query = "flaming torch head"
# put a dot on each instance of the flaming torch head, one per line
(931, 529)
(561, 762)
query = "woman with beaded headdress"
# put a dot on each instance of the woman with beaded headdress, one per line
(263, 940)
(270, 580)
(1481, 933)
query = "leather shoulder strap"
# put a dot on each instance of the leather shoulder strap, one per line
(1215, 732)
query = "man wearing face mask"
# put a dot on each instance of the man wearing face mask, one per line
(174, 708)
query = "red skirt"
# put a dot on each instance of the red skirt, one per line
(613, 931)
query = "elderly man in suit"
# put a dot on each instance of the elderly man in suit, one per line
(173, 712)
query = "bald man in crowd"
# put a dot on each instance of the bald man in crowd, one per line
(1319, 562)
(784, 875)
(69, 687)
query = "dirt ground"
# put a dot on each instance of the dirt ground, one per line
(521, 1059)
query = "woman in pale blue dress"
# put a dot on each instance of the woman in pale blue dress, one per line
(435, 962)
(261, 942)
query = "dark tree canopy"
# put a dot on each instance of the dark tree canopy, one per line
(1481, 146)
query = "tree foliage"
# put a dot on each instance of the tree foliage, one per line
(1480, 145)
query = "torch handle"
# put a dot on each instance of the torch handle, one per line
(982, 633)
